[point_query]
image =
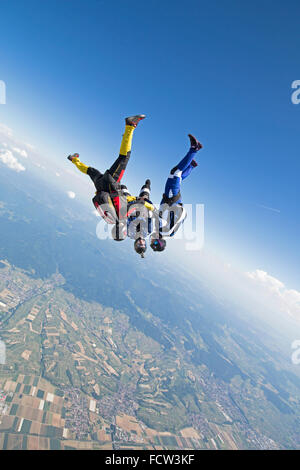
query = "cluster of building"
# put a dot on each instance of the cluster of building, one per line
(77, 419)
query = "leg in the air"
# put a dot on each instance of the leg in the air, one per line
(119, 166)
(87, 170)
(185, 163)
(145, 190)
(81, 166)
(188, 170)
(182, 170)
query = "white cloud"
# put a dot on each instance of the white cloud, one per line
(287, 299)
(71, 194)
(39, 165)
(57, 174)
(29, 146)
(268, 208)
(14, 143)
(7, 157)
(20, 152)
(268, 281)
(6, 131)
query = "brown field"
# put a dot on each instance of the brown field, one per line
(109, 369)
(27, 400)
(79, 355)
(5, 293)
(64, 316)
(189, 432)
(179, 442)
(35, 310)
(29, 413)
(80, 444)
(105, 447)
(58, 401)
(14, 441)
(26, 354)
(35, 428)
(79, 344)
(128, 423)
(46, 386)
(73, 325)
(32, 442)
(44, 443)
(102, 436)
(10, 386)
(115, 357)
(6, 422)
(56, 420)
(152, 432)
(159, 403)
(229, 440)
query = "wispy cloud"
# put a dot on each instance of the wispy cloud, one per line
(20, 152)
(29, 146)
(39, 165)
(268, 208)
(9, 160)
(6, 131)
(287, 299)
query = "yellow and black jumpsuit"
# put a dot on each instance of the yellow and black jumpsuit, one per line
(109, 181)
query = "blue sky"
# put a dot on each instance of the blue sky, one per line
(221, 70)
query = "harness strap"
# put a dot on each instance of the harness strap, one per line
(171, 200)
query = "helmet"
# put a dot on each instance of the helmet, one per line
(158, 244)
(140, 246)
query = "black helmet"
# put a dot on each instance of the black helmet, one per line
(140, 246)
(158, 244)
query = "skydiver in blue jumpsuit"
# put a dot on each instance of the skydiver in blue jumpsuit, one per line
(172, 212)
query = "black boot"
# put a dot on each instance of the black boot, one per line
(75, 155)
(195, 144)
(134, 120)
